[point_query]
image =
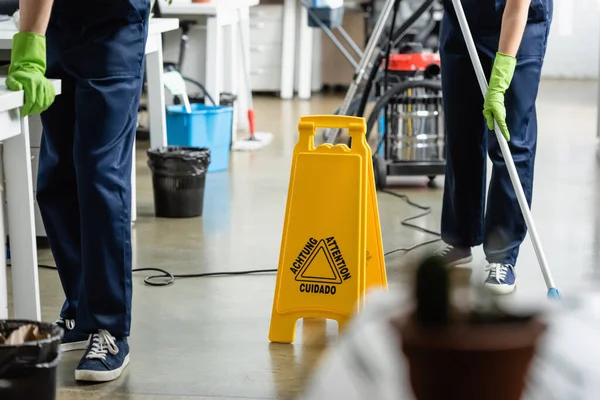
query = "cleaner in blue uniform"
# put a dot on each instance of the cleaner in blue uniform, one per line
(96, 48)
(511, 38)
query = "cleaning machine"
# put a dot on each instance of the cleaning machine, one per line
(398, 80)
(409, 117)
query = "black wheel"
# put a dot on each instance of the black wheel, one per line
(380, 170)
(431, 184)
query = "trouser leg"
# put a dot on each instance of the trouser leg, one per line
(103, 159)
(464, 189)
(505, 226)
(108, 71)
(56, 184)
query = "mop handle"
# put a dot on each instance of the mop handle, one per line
(186, 103)
(510, 165)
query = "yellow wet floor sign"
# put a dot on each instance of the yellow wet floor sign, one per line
(331, 249)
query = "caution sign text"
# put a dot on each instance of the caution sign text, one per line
(320, 266)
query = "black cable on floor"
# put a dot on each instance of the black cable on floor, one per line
(407, 222)
(167, 278)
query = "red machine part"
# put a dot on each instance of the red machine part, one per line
(412, 61)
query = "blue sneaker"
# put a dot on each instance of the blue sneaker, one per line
(72, 338)
(454, 256)
(105, 358)
(501, 279)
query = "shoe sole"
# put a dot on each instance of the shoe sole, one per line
(500, 289)
(461, 261)
(100, 376)
(73, 346)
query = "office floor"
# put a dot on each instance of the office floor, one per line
(207, 338)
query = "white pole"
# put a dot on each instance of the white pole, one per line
(510, 165)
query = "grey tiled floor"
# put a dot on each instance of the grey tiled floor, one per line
(207, 338)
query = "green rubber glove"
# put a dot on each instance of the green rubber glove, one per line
(493, 106)
(26, 72)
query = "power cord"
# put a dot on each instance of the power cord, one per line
(167, 278)
(407, 222)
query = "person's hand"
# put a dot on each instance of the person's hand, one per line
(493, 106)
(26, 72)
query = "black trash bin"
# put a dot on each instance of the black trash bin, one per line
(28, 370)
(178, 180)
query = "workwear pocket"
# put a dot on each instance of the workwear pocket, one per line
(451, 39)
(538, 11)
(112, 50)
(535, 40)
(96, 12)
(113, 39)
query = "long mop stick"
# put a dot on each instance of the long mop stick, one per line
(256, 140)
(553, 292)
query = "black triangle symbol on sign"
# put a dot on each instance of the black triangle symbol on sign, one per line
(320, 254)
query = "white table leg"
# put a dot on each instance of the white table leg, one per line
(157, 123)
(598, 113)
(230, 60)
(317, 67)
(21, 225)
(244, 88)
(156, 96)
(305, 44)
(288, 53)
(133, 186)
(214, 57)
(3, 277)
(231, 68)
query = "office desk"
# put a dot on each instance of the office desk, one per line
(156, 91)
(221, 61)
(16, 164)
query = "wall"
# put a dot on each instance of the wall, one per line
(573, 47)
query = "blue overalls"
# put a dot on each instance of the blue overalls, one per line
(502, 228)
(96, 48)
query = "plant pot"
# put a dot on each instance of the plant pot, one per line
(469, 361)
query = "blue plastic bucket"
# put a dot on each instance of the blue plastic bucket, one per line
(205, 126)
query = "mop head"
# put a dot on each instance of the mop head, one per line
(256, 142)
(554, 294)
